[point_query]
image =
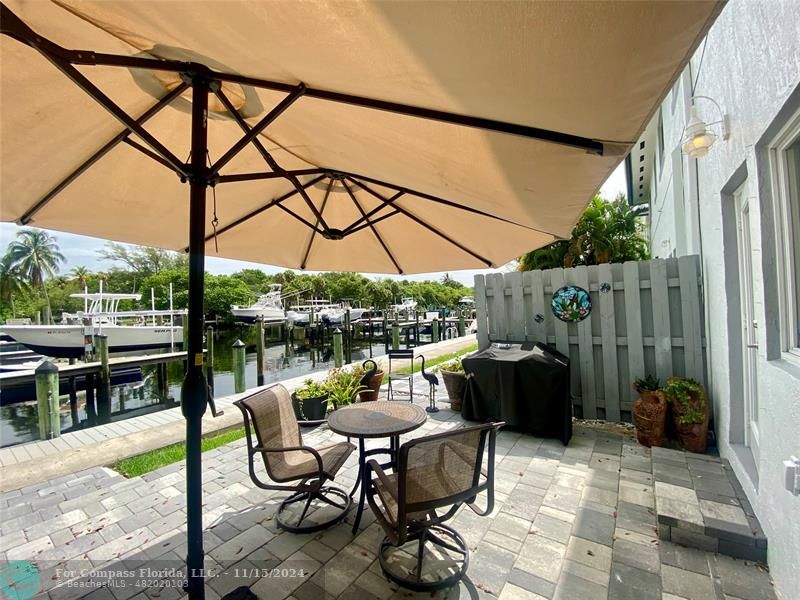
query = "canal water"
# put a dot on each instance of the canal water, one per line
(19, 421)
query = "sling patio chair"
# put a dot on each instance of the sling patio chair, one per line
(303, 469)
(435, 475)
(406, 356)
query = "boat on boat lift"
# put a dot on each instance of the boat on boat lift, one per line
(268, 307)
(127, 331)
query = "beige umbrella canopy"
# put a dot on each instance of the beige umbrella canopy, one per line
(595, 70)
(366, 136)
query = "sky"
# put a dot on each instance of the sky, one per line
(81, 250)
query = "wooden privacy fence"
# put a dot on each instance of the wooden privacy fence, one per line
(646, 318)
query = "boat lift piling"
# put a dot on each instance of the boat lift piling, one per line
(104, 383)
(47, 400)
(239, 384)
(348, 342)
(259, 352)
(337, 348)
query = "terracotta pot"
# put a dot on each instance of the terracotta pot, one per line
(649, 416)
(693, 436)
(374, 385)
(456, 384)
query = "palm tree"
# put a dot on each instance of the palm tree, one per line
(11, 282)
(35, 256)
(81, 275)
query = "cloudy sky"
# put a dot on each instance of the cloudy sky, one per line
(82, 250)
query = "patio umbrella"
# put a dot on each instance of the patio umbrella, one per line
(374, 137)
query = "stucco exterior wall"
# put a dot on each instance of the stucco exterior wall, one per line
(751, 67)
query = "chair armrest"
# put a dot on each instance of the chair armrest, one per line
(373, 464)
(292, 449)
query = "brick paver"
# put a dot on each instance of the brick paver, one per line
(573, 523)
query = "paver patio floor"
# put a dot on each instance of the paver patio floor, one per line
(571, 523)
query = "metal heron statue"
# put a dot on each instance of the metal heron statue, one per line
(433, 381)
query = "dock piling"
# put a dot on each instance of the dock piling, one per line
(337, 348)
(238, 366)
(259, 352)
(47, 400)
(104, 382)
(434, 330)
(461, 324)
(209, 358)
(348, 342)
(395, 335)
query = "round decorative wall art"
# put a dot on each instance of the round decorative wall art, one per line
(571, 304)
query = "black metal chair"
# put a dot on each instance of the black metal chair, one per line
(434, 473)
(407, 358)
(269, 414)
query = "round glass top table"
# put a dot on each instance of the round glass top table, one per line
(378, 419)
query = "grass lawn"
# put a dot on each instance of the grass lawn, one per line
(150, 461)
(429, 364)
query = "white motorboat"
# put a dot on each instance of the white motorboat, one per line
(407, 307)
(127, 331)
(268, 307)
(300, 314)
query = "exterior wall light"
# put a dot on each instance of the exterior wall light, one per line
(697, 138)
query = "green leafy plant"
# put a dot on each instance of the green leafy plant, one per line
(649, 383)
(343, 386)
(454, 366)
(311, 389)
(689, 399)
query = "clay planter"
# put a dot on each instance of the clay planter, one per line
(310, 409)
(649, 416)
(456, 384)
(374, 385)
(693, 436)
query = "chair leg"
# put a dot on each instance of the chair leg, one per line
(322, 495)
(420, 552)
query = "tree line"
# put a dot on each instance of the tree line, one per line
(31, 282)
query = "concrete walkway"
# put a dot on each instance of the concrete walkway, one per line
(574, 523)
(26, 464)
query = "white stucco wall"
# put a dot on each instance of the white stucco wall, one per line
(751, 66)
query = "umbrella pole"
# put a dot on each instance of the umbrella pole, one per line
(194, 392)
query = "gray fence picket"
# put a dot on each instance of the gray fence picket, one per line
(608, 334)
(539, 307)
(633, 322)
(562, 335)
(517, 321)
(586, 353)
(659, 291)
(690, 311)
(481, 313)
(499, 306)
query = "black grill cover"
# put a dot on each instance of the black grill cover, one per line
(525, 385)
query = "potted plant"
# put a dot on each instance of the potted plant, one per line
(343, 386)
(689, 412)
(310, 401)
(455, 381)
(370, 376)
(649, 411)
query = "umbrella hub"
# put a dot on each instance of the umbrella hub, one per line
(333, 234)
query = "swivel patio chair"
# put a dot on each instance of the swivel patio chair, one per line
(435, 476)
(407, 357)
(269, 414)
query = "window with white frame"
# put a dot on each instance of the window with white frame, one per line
(785, 167)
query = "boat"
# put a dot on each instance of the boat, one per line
(268, 307)
(300, 314)
(407, 307)
(127, 331)
(335, 315)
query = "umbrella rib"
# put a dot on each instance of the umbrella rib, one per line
(419, 221)
(373, 222)
(120, 115)
(358, 226)
(238, 177)
(110, 145)
(372, 227)
(449, 203)
(273, 164)
(260, 209)
(298, 217)
(314, 233)
(147, 152)
(248, 137)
